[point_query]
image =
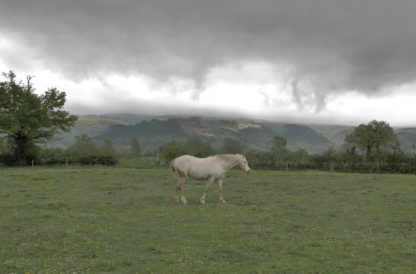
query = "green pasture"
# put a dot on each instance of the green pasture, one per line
(124, 220)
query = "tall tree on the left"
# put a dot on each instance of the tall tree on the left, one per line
(27, 119)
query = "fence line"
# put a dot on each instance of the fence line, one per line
(346, 166)
(408, 167)
(60, 162)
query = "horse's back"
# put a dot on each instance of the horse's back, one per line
(185, 159)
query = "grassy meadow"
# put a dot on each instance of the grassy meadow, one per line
(124, 220)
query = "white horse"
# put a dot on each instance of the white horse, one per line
(211, 168)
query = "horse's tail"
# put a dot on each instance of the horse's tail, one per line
(171, 165)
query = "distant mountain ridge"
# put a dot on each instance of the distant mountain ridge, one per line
(153, 131)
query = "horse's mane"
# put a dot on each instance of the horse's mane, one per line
(227, 157)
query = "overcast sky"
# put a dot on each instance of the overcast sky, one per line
(305, 61)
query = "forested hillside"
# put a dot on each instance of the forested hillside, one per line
(257, 135)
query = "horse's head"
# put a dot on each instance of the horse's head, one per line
(244, 164)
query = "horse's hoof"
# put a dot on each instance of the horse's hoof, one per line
(183, 200)
(202, 201)
(222, 201)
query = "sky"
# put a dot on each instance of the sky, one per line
(302, 61)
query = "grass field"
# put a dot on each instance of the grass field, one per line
(123, 220)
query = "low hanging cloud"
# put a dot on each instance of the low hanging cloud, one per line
(321, 46)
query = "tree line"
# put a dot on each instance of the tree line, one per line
(83, 151)
(28, 120)
(371, 147)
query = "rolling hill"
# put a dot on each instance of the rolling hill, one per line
(153, 131)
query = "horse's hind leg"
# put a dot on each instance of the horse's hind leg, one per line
(209, 182)
(183, 199)
(179, 190)
(220, 191)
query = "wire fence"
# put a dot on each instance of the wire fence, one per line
(408, 167)
(65, 162)
(404, 167)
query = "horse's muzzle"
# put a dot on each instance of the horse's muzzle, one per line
(248, 171)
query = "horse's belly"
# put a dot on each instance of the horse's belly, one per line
(204, 174)
(198, 175)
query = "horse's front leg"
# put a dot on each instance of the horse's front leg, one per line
(220, 190)
(209, 182)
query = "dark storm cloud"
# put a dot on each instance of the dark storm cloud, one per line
(326, 45)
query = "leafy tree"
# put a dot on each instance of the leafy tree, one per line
(107, 148)
(299, 155)
(197, 148)
(396, 147)
(373, 138)
(85, 152)
(170, 151)
(135, 148)
(279, 147)
(260, 158)
(4, 148)
(50, 155)
(27, 118)
(231, 145)
(330, 154)
(83, 147)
